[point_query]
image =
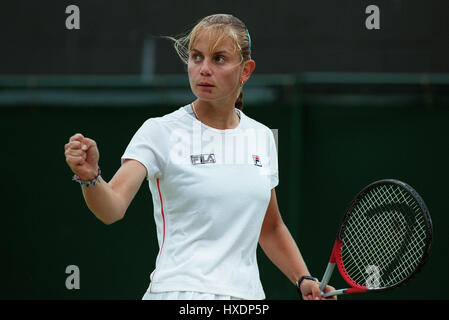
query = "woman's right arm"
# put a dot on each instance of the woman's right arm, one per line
(108, 201)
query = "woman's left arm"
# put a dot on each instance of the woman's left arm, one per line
(280, 247)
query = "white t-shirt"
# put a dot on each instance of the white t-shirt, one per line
(210, 191)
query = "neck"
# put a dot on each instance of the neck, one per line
(219, 116)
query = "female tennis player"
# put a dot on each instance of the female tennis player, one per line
(212, 173)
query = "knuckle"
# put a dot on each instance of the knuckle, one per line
(76, 136)
(91, 143)
(69, 161)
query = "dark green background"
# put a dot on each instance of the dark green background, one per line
(380, 110)
(337, 133)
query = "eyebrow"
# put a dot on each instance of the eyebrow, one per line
(218, 52)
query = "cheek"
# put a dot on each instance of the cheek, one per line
(231, 77)
(190, 69)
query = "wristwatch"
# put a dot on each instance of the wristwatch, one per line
(298, 283)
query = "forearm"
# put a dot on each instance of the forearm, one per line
(281, 249)
(105, 204)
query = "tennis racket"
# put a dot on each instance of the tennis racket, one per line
(383, 241)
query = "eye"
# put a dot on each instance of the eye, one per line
(195, 57)
(220, 59)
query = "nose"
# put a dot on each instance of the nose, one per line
(205, 69)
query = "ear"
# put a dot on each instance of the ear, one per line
(247, 70)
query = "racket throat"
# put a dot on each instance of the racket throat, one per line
(327, 275)
(325, 280)
(331, 265)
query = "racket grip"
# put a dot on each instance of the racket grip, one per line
(333, 293)
(327, 275)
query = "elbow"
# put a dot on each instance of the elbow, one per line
(109, 214)
(270, 231)
(110, 220)
(272, 228)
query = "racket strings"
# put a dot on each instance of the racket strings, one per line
(384, 237)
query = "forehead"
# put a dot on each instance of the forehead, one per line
(214, 40)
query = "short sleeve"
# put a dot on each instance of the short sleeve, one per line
(143, 148)
(273, 156)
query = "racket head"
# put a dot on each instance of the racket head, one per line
(385, 237)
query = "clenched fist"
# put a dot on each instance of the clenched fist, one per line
(82, 155)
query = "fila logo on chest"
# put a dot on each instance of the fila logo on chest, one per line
(202, 158)
(210, 158)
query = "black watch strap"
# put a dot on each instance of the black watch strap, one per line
(298, 283)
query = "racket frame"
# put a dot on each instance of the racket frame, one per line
(336, 255)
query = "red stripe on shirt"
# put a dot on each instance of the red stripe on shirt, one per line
(163, 227)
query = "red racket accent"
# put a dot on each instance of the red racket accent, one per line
(336, 257)
(356, 290)
(335, 250)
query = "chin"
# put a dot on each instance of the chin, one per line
(206, 96)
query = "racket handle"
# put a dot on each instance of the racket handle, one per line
(327, 275)
(342, 291)
(333, 293)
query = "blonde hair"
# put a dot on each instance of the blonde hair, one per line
(219, 26)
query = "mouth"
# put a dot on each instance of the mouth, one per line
(205, 85)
